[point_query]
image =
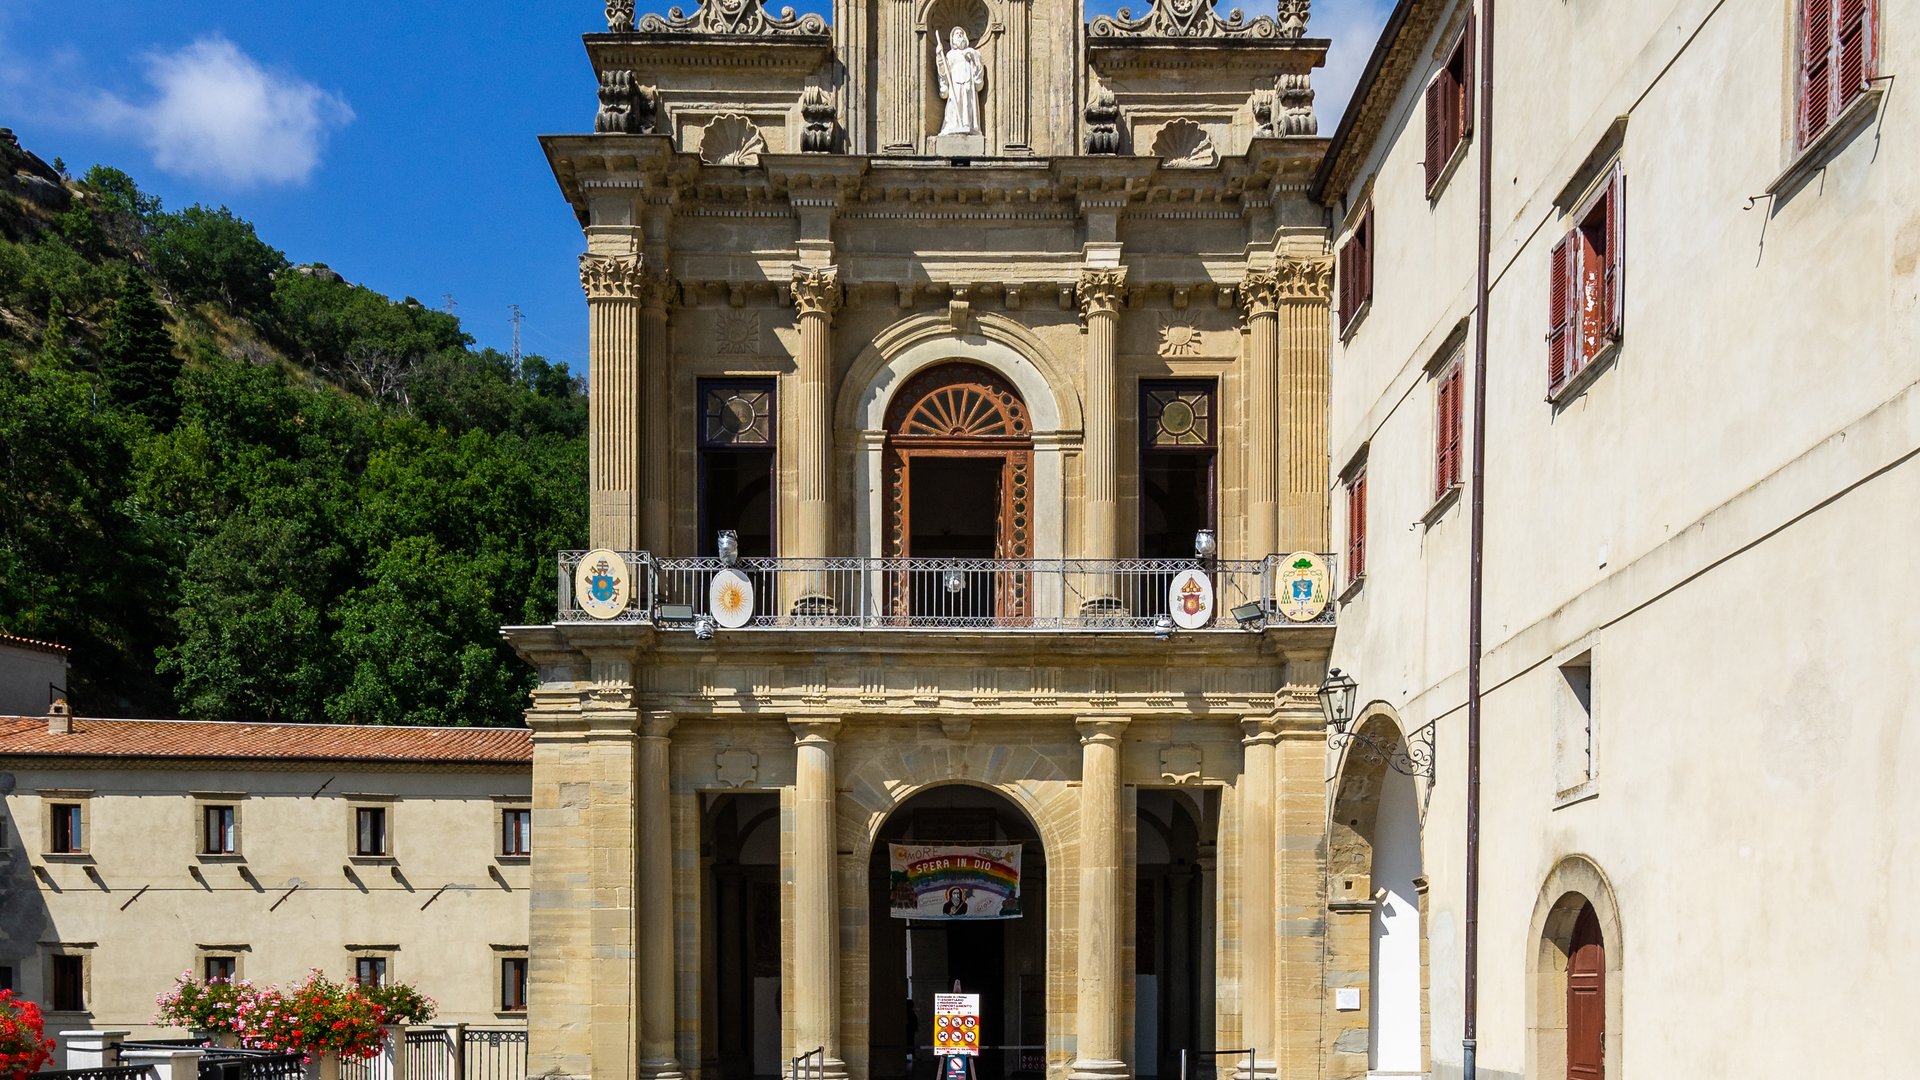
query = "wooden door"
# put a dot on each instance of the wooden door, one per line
(1587, 999)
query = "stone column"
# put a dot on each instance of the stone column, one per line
(1305, 286)
(613, 284)
(1257, 919)
(1259, 298)
(816, 294)
(656, 295)
(816, 903)
(1100, 294)
(1100, 1055)
(654, 809)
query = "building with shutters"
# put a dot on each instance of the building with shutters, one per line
(957, 375)
(1701, 423)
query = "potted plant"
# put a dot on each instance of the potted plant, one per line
(24, 1046)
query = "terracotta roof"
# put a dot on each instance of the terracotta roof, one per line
(30, 643)
(1392, 61)
(187, 739)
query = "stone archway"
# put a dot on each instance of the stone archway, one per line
(1377, 902)
(1576, 918)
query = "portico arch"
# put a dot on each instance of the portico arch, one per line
(995, 342)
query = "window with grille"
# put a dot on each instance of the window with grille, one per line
(513, 984)
(1353, 264)
(1586, 297)
(516, 832)
(1448, 389)
(1178, 445)
(219, 830)
(370, 836)
(1838, 56)
(738, 436)
(68, 832)
(1449, 108)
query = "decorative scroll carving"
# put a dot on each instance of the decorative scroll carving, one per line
(626, 107)
(1183, 144)
(816, 109)
(1100, 292)
(816, 290)
(620, 16)
(1296, 106)
(731, 139)
(1197, 19)
(1103, 124)
(746, 17)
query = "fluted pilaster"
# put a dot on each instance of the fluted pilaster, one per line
(613, 285)
(1259, 299)
(816, 296)
(657, 295)
(1100, 294)
(1100, 1054)
(1305, 287)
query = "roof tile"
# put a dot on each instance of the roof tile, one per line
(191, 739)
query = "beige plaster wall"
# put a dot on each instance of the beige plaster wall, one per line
(143, 906)
(1719, 517)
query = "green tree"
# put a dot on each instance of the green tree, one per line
(137, 359)
(213, 255)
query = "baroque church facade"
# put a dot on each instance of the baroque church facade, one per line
(934, 351)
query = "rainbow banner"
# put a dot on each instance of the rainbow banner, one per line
(947, 882)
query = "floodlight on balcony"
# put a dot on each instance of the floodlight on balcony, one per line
(1250, 615)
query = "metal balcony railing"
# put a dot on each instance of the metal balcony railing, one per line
(862, 593)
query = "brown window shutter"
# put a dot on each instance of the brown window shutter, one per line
(1853, 56)
(1357, 526)
(1343, 264)
(1816, 70)
(1468, 43)
(1436, 131)
(1616, 252)
(1563, 284)
(1443, 440)
(1366, 258)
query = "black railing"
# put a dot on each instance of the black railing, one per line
(429, 1054)
(112, 1072)
(494, 1054)
(231, 1062)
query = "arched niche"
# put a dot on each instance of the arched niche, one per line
(1575, 887)
(1012, 351)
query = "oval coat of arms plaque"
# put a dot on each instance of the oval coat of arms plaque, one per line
(730, 598)
(602, 583)
(1300, 587)
(1190, 599)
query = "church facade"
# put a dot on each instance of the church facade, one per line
(958, 457)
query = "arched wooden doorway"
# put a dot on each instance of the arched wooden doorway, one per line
(1587, 999)
(959, 473)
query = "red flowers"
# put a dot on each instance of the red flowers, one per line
(24, 1046)
(315, 1018)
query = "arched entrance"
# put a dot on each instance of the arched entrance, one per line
(1004, 961)
(959, 471)
(1587, 998)
(1575, 984)
(740, 833)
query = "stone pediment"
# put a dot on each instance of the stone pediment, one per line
(716, 17)
(1198, 19)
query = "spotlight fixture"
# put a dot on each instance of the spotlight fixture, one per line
(1205, 544)
(1250, 615)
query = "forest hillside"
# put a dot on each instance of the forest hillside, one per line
(241, 489)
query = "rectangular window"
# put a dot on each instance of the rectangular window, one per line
(219, 830)
(513, 984)
(1447, 392)
(1574, 758)
(69, 990)
(1357, 526)
(1839, 49)
(1178, 445)
(516, 832)
(1354, 265)
(370, 831)
(223, 968)
(737, 445)
(1585, 296)
(68, 833)
(370, 970)
(1449, 108)
(6, 977)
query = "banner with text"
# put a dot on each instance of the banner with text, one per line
(947, 882)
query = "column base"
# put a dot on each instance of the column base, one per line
(816, 1069)
(661, 1069)
(1262, 1069)
(1100, 1069)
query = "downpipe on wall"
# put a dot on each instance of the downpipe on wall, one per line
(1483, 256)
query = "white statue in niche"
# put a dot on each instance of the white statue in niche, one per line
(963, 74)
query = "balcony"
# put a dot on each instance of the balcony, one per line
(860, 593)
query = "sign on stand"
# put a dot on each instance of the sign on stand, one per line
(956, 1025)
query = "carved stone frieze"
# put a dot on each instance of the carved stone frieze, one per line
(731, 139)
(1296, 116)
(626, 107)
(1103, 123)
(816, 290)
(1198, 19)
(1183, 144)
(1101, 292)
(745, 17)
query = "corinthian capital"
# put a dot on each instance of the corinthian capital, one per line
(816, 290)
(612, 277)
(1260, 292)
(1100, 291)
(1306, 279)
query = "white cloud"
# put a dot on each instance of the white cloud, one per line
(218, 115)
(1354, 26)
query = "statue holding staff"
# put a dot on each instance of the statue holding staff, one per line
(963, 74)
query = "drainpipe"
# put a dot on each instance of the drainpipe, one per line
(1476, 544)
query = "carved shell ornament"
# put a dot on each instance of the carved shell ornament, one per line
(731, 139)
(733, 17)
(1183, 144)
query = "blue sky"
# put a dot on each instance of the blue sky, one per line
(393, 141)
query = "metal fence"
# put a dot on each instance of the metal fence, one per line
(493, 1054)
(113, 1072)
(971, 594)
(232, 1062)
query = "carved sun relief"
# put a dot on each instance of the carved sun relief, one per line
(1179, 339)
